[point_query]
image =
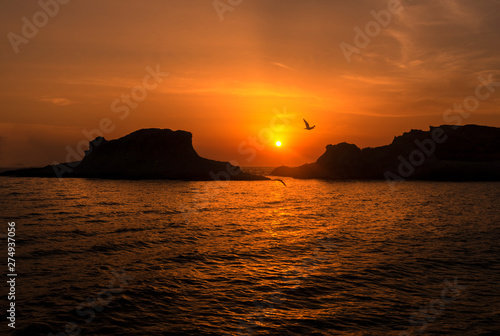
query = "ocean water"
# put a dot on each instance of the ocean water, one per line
(102, 257)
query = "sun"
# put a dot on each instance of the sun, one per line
(278, 143)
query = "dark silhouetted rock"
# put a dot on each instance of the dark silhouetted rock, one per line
(451, 153)
(144, 154)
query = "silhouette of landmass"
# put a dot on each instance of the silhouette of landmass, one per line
(143, 154)
(448, 153)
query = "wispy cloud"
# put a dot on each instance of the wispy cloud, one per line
(281, 65)
(57, 101)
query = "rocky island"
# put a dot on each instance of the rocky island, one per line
(143, 154)
(447, 153)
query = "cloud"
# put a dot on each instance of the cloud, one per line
(281, 65)
(58, 101)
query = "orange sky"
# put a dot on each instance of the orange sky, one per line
(228, 79)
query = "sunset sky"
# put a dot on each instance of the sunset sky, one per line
(229, 78)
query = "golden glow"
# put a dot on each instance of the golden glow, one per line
(278, 143)
(242, 71)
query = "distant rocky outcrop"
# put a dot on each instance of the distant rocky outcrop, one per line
(449, 153)
(143, 154)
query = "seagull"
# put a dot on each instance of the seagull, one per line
(280, 181)
(307, 125)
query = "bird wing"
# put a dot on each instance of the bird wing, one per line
(307, 124)
(280, 181)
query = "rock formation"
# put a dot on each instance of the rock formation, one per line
(454, 153)
(143, 154)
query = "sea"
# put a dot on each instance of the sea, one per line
(302, 257)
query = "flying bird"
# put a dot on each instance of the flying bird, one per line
(307, 125)
(280, 181)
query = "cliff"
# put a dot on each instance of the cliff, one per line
(143, 154)
(455, 153)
